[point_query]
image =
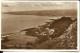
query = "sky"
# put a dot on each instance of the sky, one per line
(28, 6)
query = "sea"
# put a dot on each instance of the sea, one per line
(14, 23)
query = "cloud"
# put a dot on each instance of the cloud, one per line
(24, 6)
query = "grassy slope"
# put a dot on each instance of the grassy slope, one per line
(62, 42)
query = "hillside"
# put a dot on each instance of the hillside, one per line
(66, 41)
(64, 36)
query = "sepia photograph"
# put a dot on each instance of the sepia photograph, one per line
(39, 25)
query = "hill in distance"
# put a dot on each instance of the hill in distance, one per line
(45, 12)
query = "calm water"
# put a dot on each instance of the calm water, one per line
(14, 23)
